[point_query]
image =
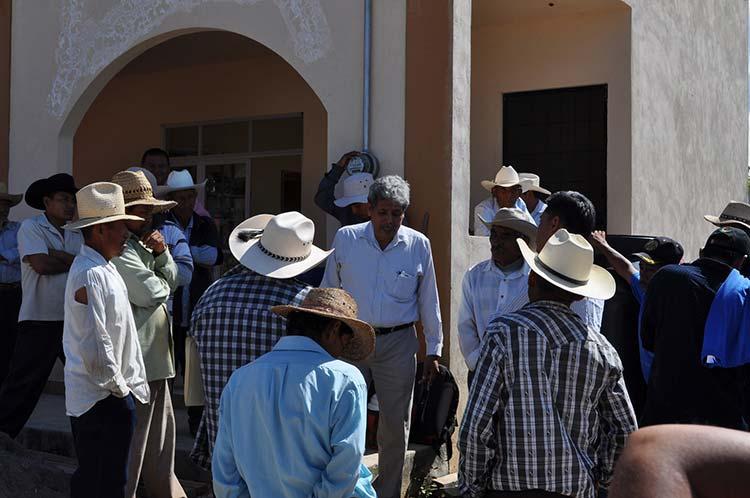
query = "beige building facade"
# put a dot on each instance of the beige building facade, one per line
(260, 96)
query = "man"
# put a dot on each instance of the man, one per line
(388, 269)
(150, 276)
(232, 323)
(299, 380)
(657, 253)
(104, 372)
(496, 286)
(46, 252)
(351, 207)
(735, 214)
(533, 195)
(574, 212)
(548, 412)
(506, 193)
(10, 278)
(156, 162)
(679, 297)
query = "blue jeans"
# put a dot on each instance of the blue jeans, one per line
(102, 441)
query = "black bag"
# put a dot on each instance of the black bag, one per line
(433, 416)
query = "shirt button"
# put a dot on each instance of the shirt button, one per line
(529, 433)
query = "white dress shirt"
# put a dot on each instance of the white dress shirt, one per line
(486, 292)
(392, 286)
(487, 210)
(538, 210)
(590, 310)
(102, 353)
(43, 295)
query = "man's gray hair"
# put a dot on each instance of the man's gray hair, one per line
(389, 188)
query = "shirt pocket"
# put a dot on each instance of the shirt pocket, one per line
(403, 285)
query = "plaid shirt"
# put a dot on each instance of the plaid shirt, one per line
(548, 408)
(233, 325)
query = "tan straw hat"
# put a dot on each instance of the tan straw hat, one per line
(736, 214)
(99, 203)
(136, 190)
(567, 262)
(531, 182)
(339, 305)
(514, 219)
(506, 177)
(13, 199)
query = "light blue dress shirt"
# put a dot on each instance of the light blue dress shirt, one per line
(392, 286)
(292, 424)
(537, 212)
(10, 265)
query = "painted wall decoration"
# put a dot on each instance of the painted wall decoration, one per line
(87, 45)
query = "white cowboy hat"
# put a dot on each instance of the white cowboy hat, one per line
(567, 262)
(12, 199)
(515, 219)
(179, 180)
(506, 177)
(278, 246)
(136, 190)
(98, 203)
(530, 182)
(354, 189)
(736, 214)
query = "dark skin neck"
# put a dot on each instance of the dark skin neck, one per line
(183, 219)
(56, 222)
(515, 265)
(531, 202)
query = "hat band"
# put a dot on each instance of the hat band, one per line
(556, 273)
(733, 218)
(286, 259)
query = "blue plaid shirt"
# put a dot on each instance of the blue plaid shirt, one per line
(232, 325)
(10, 265)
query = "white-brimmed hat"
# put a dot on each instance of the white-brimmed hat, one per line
(736, 214)
(354, 189)
(506, 177)
(530, 182)
(12, 199)
(278, 246)
(136, 190)
(179, 180)
(514, 219)
(98, 203)
(567, 262)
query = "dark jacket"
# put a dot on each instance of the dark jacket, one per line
(324, 198)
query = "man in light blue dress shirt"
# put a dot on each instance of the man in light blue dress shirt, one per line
(506, 192)
(10, 278)
(534, 195)
(388, 269)
(292, 423)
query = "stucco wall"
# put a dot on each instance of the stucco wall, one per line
(554, 52)
(5, 13)
(690, 114)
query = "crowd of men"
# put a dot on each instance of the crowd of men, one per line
(115, 279)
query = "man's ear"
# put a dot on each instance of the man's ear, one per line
(555, 222)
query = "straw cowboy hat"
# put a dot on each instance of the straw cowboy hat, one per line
(278, 246)
(149, 176)
(354, 189)
(179, 180)
(339, 305)
(136, 190)
(567, 262)
(37, 191)
(506, 177)
(530, 182)
(514, 219)
(12, 199)
(736, 214)
(99, 203)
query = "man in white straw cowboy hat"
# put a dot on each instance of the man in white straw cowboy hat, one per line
(232, 323)
(496, 286)
(548, 411)
(10, 278)
(506, 192)
(104, 371)
(533, 195)
(300, 380)
(734, 214)
(350, 207)
(150, 275)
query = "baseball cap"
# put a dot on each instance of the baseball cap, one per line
(661, 251)
(729, 239)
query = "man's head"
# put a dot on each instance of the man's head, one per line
(185, 200)
(570, 210)
(144, 211)
(658, 252)
(331, 334)
(157, 162)
(542, 290)
(505, 188)
(137, 192)
(354, 191)
(54, 195)
(388, 199)
(109, 239)
(7, 201)
(729, 245)
(4, 212)
(532, 190)
(506, 196)
(60, 206)
(508, 225)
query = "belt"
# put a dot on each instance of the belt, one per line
(396, 328)
(10, 286)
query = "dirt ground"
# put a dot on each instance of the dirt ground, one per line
(26, 474)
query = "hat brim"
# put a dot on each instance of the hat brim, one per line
(361, 345)
(534, 188)
(162, 190)
(646, 258)
(87, 222)
(520, 226)
(716, 221)
(489, 185)
(158, 205)
(601, 285)
(36, 192)
(13, 200)
(348, 201)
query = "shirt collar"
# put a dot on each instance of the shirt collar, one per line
(299, 343)
(553, 305)
(492, 267)
(92, 255)
(369, 234)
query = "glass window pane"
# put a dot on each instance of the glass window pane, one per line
(182, 141)
(277, 134)
(225, 200)
(226, 138)
(272, 181)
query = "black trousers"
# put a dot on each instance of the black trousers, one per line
(530, 493)
(10, 303)
(38, 346)
(102, 439)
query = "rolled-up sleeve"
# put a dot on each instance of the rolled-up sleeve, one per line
(30, 239)
(146, 287)
(429, 305)
(468, 335)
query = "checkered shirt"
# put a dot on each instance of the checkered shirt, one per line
(548, 408)
(232, 325)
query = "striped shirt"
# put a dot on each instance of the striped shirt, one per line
(548, 407)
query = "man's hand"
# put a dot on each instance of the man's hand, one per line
(430, 369)
(344, 161)
(598, 239)
(154, 241)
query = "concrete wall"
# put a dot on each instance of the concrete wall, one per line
(5, 21)
(690, 114)
(538, 53)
